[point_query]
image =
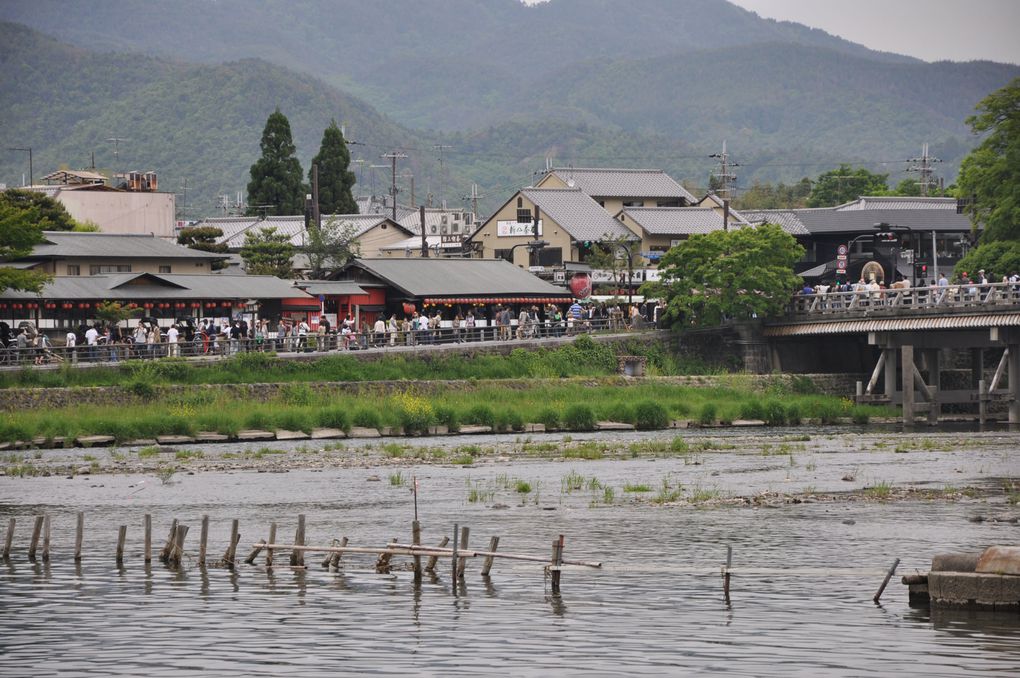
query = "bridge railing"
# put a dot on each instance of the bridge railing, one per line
(910, 300)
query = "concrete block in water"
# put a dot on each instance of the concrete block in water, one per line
(283, 434)
(955, 562)
(953, 587)
(999, 560)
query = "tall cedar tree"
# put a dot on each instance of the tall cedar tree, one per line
(335, 181)
(276, 176)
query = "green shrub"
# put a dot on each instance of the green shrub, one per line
(143, 389)
(367, 418)
(752, 409)
(708, 414)
(775, 413)
(333, 417)
(860, 416)
(649, 415)
(292, 420)
(258, 420)
(679, 445)
(481, 415)
(803, 385)
(579, 417)
(620, 411)
(793, 415)
(509, 420)
(448, 417)
(297, 394)
(222, 423)
(414, 412)
(550, 418)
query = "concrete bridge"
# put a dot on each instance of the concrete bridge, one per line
(903, 337)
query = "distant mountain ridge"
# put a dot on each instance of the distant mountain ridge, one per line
(658, 83)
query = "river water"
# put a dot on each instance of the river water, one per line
(804, 573)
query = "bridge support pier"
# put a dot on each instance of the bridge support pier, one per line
(907, 377)
(1014, 385)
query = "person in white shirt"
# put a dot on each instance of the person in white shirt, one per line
(91, 339)
(171, 340)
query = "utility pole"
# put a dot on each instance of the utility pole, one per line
(442, 195)
(724, 175)
(925, 170)
(360, 162)
(392, 156)
(31, 170)
(116, 150)
(424, 241)
(316, 215)
(184, 208)
(474, 200)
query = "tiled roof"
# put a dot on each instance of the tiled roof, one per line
(675, 220)
(623, 183)
(419, 277)
(836, 220)
(144, 286)
(577, 213)
(898, 203)
(329, 287)
(236, 229)
(67, 244)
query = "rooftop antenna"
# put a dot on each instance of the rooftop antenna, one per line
(725, 177)
(116, 148)
(442, 194)
(474, 200)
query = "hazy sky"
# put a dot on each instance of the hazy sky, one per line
(927, 29)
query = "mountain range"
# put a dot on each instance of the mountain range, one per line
(498, 84)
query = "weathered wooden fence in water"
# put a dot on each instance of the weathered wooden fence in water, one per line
(174, 555)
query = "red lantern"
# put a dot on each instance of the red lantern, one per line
(408, 308)
(195, 304)
(580, 285)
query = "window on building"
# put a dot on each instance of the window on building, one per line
(634, 203)
(164, 269)
(505, 254)
(109, 268)
(523, 215)
(73, 269)
(550, 256)
(669, 203)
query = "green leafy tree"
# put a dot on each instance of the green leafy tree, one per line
(276, 175)
(907, 187)
(609, 254)
(51, 214)
(19, 232)
(330, 247)
(990, 175)
(266, 252)
(336, 182)
(767, 196)
(203, 238)
(115, 312)
(728, 275)
(844, 184)
(998, 258)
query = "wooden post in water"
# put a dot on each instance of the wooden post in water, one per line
(726, 574)
(557, 562)
(453, 562)
(177, 553)
(465, 532)
(121, 537)
(46, 538)
(255, 552)
(148, 538)
(9, 540)
(337, 555)
(416, 540)
(329, 556)
(203, 541)
(34, 544)
(487, 563)
(297, 556)
(272, 540)
(382, 565)
(907, 377)
(982, 402)
(164, 554)
(79, 535)
(235, 536)
(885, 582)
(430, 566)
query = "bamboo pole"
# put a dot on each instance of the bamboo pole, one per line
(726, 573)
(121, 537)
(382, 565)
(885, 582)
(453, 564)
(9, 540)
(487, 564)
(34, 544)
(148, 538)
(465, 532)
(501, 554)
(338, 555)
(407, 550)
(329, 556)
(557, 561)
(203, 541)
(177, 553)
(297, 558)
(433, 559)
(79, 535)
(46, 539)
(269, 549)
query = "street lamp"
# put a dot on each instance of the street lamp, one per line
(31, 174)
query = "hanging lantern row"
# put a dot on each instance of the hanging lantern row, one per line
(495, 300)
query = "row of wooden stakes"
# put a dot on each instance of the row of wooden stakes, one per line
(172, 552)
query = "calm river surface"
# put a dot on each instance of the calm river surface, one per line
(801, 593)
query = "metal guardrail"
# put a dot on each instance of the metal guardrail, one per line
(927, 300)
(219, 346)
